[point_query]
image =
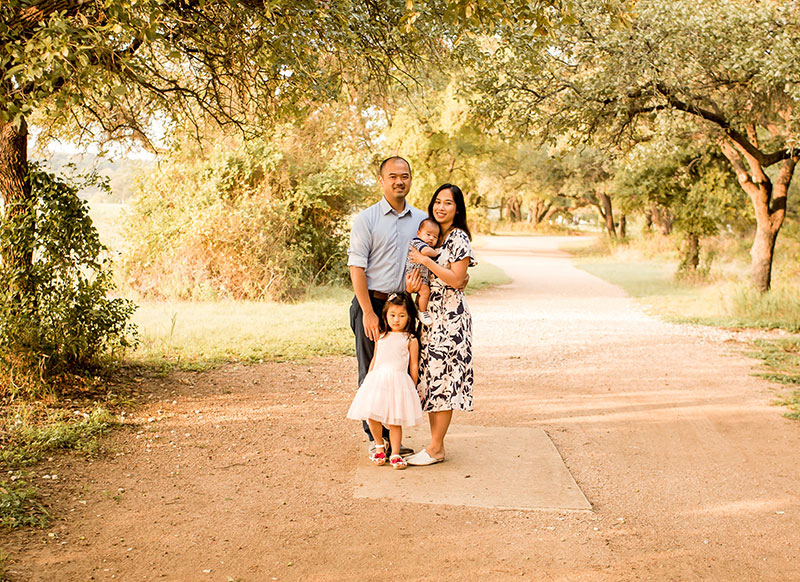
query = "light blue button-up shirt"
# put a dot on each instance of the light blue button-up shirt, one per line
(379, 243)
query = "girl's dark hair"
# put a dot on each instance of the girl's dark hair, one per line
(405, 300)
(460, 220)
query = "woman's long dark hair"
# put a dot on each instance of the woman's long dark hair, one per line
(460, 219)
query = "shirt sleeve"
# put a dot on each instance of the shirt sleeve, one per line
(360, 239)
(460, 248)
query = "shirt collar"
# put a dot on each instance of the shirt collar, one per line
(386, 208)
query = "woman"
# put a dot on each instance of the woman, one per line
(445, 368)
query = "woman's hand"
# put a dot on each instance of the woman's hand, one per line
(413, 281)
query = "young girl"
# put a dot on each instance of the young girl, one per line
(388, 394)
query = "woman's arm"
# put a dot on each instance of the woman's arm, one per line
(413, 359)
(455, 276)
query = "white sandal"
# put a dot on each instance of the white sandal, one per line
(423, 458)
(379, 457)
(398, 462)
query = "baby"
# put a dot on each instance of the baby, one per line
(427, 238)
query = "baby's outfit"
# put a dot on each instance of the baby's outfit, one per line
(388, 393)
(424, 271)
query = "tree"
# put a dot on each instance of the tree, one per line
(107, 70)
(527, 176)
(721, 70)
(690, 183)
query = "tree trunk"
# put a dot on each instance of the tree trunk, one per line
(663, 218)
(514, 212)
(623, 226)
(607, 213)
(16, 195)
(691, 258)
(769, 205)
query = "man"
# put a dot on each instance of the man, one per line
(379, 243)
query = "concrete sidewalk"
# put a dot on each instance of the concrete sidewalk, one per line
(496, 467)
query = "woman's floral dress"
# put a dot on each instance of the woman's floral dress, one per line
(445, 363)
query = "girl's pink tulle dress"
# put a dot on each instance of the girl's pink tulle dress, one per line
(388, 394)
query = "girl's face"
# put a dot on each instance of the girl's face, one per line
(444, 208)
(397, 317)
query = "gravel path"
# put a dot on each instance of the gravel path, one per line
(247, 472)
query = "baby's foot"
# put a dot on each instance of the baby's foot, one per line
(425, 318)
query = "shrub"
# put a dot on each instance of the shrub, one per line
(61, 319)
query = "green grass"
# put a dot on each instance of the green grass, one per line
(198, 335)
(30, 431)
(781, 360)
(486, 275)
(19, 507)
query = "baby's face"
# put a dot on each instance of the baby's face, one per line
(429, 233)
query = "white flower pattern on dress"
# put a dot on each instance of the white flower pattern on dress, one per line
(445, 367)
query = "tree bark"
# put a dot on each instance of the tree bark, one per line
(663, 218)
(692, 255)
(607, 213)
(514, 211)
(623, 226)
(16, 194)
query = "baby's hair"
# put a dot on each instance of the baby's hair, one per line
(403, 299)
(429, 221)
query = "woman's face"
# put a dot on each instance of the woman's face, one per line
(444, 207)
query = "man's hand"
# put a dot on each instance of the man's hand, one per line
(413, 281)
(371, 329)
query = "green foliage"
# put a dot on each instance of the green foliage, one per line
(782, 358)
(28, 434)
(679, 70)
(257, 220)
(19, 507)
(55, 315)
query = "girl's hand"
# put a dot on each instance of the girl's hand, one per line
(415, 256)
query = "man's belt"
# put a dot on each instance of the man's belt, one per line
(379, 295)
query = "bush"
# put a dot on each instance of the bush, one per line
(55, 313)
(256, 220)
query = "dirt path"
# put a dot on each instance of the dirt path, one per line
(246, 473)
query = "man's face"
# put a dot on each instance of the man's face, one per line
(395, 179)
(429, 233)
